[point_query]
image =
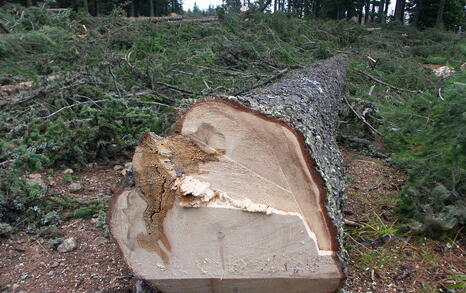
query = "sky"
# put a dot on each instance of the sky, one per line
(202, 4)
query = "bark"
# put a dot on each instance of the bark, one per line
(366, 12)
(298, 116)
(372, 12)
(96, 8)
(380, 11)
(317, 8)
(86, 6)
(266, 4)
(385, 12)
(132, 12)
(4, 28)
(440, 13)
(360, 13)
(399, 10)
(417, 12)
(151, 8)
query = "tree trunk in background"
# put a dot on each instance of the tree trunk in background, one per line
(385, 11)
(86, 6)
(317, 8)
(131, 8)
(247, 197)
(366, 12)
(417, 13)
(151, 8)
(28, 3)
(380, 11)
(372, 12)
(96, 7)
(399, 10)
(441, 9)
(360, 13)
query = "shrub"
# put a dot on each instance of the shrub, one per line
(436, 60)
(430, 142)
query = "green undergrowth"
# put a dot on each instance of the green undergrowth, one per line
(100, 82)
(422, 122)
(24, 204)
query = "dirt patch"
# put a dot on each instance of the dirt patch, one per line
(32, 265)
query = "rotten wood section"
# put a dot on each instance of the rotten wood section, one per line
(245, 198)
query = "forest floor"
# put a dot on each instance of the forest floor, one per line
(380, 259)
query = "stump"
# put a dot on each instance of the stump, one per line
(246, 197)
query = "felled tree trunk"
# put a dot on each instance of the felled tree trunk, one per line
(246, 197)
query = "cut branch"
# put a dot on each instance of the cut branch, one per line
(176, 88)
(387, 84)
(262, 83)
(360, 117)
(4, 28)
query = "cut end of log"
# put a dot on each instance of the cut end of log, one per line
(232, 204)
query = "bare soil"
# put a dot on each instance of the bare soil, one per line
(401, 264)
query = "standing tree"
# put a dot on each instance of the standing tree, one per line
(86, 6)
(151, 8)
(399, 10)
(366, 11)
(441, 8)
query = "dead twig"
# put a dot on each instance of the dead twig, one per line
(352, 223)
(176, 88)
(361, 142)
(151, 92)
(440, 94)
(73, 105)
(262, 83)
(114, 81)
(387, 84)
(148, 102)
(6, 163)
(19, 100)
(4, 28)
(361, 117)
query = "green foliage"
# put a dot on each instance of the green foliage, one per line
(375, 227)
(23, 204)
(68, 177)
(456, 281)
(425, 132)
(20, 202)
(88, 211)
(102, 221)
(5, 229)
(435, 60)
(432, 145)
